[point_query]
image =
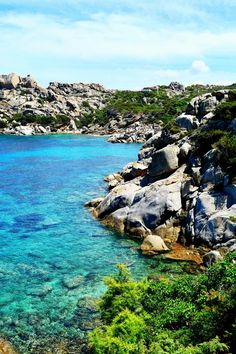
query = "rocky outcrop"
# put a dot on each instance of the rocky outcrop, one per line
(178, 191)
(59, 108)
(10, 81)
(200, 109)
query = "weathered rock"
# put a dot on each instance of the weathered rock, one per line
(112, 184)
(145, 153)
(211, 257)
(117, 219)
(29, 82)
(207, 105)
(213, 175)
(153, 244)
(185, 150)
(183, 254)
(120, 197)
(168, 231)
(93, 203)
(187, 121)
(164, 161)
(24, 130)
(133, 170)
(9, 81)
(214, 222)
(156, 203)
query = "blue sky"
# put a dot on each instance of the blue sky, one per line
(120, 44)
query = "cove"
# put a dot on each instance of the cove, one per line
(53, 254)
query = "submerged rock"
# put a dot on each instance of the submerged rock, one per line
(6, 347)
(74, 282)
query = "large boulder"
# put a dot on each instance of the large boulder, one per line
(120, 197)
(133, 170)
(207, 105)
(214, 223)
(213, 175)
(10, 81)
(187, 121)
(156, 203)
(24, 130)
(164, 161)
(117, 219)
(153, 244)
(29, 82)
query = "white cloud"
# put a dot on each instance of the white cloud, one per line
(103, 36)
(199, 67)
(54, 48)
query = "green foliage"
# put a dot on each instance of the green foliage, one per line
(31, 118)
(100, 117)
(227, 148)
(3, 123)
(185, 315)
(226, 111)
(205, 139)
(59, 119)
(155, 104)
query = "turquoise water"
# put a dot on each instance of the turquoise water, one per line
(47, 237)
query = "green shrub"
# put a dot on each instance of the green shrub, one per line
(185, 315)
(226, 111)
(59, 119)
(3, 123)
(205, 139)
(62, 119)
(227, 148)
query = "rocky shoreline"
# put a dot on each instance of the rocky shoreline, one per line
(28, 109)
(181, 191)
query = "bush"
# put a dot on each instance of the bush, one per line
(3, 123)
(186, 315)
(205, 139)
(227, 148)
(59, 119)
(226, 111)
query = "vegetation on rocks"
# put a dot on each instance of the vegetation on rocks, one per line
(227, 110)
(59, 119)
(157, 103)
(185, 315)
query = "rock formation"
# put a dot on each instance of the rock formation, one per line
(181, 188)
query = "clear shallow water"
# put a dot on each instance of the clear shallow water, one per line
(47, 237)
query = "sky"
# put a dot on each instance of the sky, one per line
(125, 44)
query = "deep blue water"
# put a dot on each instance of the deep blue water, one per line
(47, 236)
